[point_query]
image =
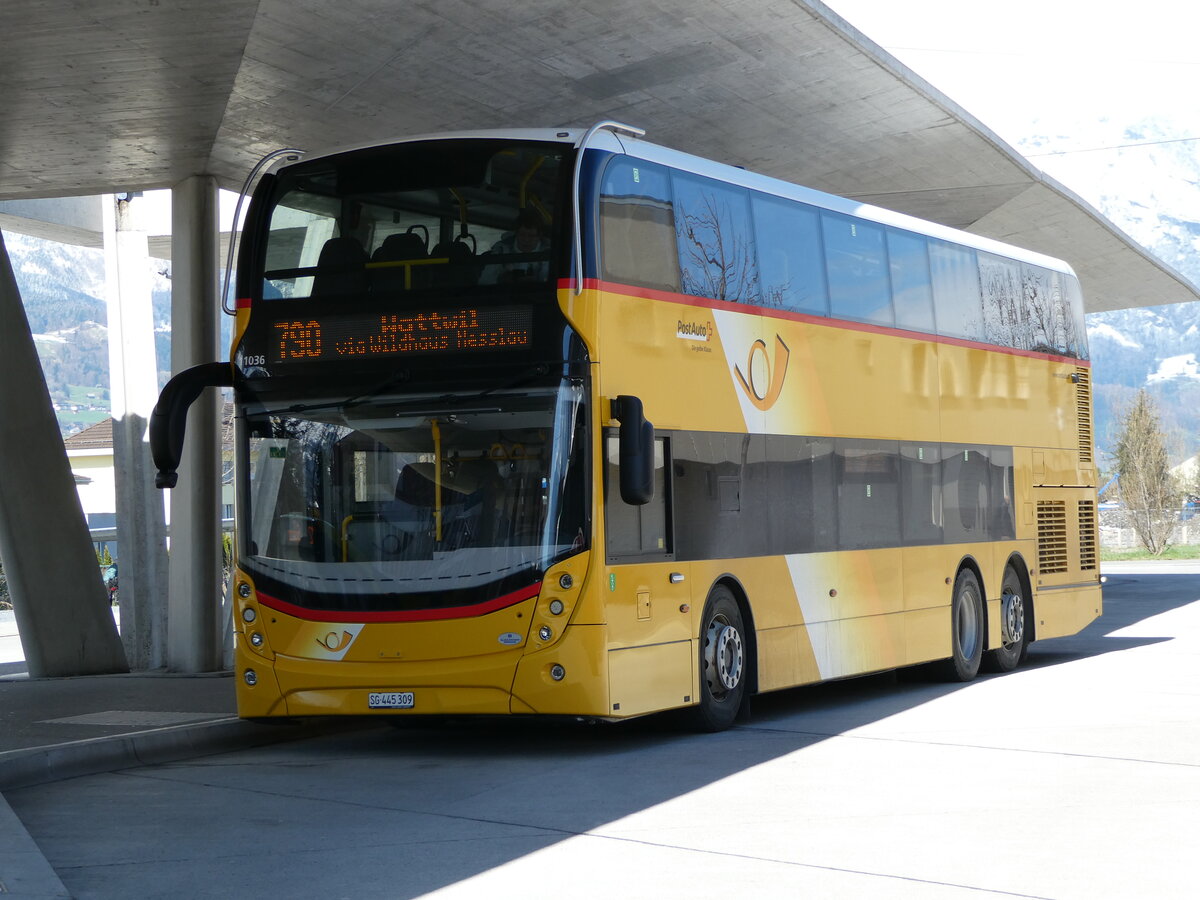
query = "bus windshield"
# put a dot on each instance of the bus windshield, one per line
(398, 502)
(413, 217)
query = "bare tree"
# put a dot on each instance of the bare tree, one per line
(1149, 491)
(716, 261)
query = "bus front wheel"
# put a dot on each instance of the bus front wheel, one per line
(723, 662)
(966, 628)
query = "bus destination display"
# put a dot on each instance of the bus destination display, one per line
(465, 329)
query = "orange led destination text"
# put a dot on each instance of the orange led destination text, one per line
(392, 335)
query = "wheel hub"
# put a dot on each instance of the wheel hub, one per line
(727, 655)
(1012, 617)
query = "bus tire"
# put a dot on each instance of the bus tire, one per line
(1014, 627)
(966, 628)
(723, 662)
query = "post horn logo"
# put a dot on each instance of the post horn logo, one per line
(764, 383)
(335, 644)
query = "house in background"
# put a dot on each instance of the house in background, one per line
(90, 454)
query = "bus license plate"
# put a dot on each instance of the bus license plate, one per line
(390, 700)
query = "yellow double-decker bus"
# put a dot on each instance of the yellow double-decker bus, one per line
(565, 422)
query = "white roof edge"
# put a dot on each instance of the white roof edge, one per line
(565, 135)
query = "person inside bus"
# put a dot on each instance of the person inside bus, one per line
(525, 239)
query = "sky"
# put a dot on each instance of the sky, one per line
(1061, 80)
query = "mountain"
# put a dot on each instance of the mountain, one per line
(1153, 348)
(62, 287)
(1145, 178)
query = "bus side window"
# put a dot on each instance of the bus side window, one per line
(717, 255)
(956, 293)
(635, 531)
(921, 494)
(637, 226)
(908, 262)
(1002, 516)
(790, 259)
(868, 494)
(856, 262)
(966, 488)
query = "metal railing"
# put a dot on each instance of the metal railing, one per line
(109, 534)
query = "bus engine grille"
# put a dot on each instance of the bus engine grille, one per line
(1052, 536)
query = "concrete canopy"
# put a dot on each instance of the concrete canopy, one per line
(138, 94)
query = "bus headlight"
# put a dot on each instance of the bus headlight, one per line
(256, 639)
(244, 590)
(545, 633)
(250, 677)
(556, 607)
(557, 672)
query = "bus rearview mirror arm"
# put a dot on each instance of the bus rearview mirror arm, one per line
(635, 443)
(168, 421)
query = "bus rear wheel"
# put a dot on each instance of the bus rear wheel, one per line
(1014, 636)
(723, 662)
(966, 628)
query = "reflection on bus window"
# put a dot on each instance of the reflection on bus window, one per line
(386, 498)
(637, 226)
(717, 255)
(789, 252)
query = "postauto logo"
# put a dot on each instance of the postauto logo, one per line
(762, 381)
(694, 331)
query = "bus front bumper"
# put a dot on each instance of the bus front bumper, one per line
(570, 677)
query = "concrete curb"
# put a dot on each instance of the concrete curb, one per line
(57, 762)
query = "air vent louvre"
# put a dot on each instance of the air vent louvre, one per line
(1083, 410)
(1052, 536)
(1087, 535)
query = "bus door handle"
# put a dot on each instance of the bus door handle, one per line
(676, 578)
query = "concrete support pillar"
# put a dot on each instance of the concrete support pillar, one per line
(59, 598)
(133, 377)
(193, 635)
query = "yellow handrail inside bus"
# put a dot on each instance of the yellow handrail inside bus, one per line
(537, 164)
(408, 264)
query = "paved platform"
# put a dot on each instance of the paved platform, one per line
(56, 729)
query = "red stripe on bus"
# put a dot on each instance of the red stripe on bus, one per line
(415, 615)
(595, 284)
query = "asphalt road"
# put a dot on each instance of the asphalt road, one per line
(1078, 776)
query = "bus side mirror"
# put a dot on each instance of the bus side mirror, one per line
(635, 442)
(168, 421)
